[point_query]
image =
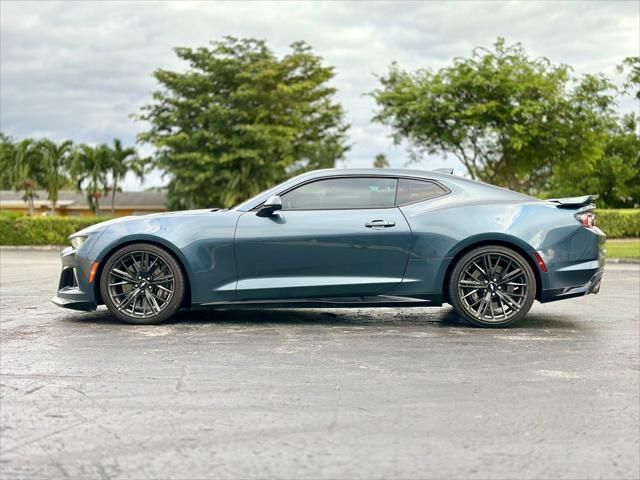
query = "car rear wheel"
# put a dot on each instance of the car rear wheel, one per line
(142, 284)
(492, 286)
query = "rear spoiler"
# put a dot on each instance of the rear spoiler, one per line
(573, 202)
(448, 171)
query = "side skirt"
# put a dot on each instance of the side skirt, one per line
(334, 302)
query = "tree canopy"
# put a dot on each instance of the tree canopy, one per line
(632, 66)
(512, 120)
(241, 119)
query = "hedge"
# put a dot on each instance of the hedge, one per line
(621, 223)
(17, 229)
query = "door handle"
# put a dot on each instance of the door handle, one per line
(380, 224)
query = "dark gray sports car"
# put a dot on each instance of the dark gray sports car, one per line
(344, 238)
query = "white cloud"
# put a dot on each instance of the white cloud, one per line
(79, 69)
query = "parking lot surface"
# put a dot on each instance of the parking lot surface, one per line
(364, 393)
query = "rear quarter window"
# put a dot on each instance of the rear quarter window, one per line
(413, 191)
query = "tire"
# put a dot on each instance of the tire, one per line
(142, 284)
(498, 300)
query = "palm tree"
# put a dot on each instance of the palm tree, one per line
(89, 168)
(121, 162)
(7, 161)
(26, 170)
(56, 161)
(381, 161)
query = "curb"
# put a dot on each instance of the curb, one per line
(623, 260)
(33, 247)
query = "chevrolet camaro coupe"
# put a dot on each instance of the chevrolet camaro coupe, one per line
(344, 238)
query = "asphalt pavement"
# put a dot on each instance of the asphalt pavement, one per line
(315, 394)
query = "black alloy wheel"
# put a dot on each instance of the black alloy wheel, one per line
(492, 286)
(142, 284)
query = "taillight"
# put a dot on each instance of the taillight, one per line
(540, 261)
(586, 219)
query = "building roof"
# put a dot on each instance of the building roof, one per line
(151, 199)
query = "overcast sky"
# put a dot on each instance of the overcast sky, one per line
(78, 70)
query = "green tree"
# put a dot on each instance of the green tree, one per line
(615, 172)
(89, 168)
(614, 175)
(380, 161)
(512, 120)
(56, 161)
(7, 158)
(120, 162)
(241, 119)
(27, 171)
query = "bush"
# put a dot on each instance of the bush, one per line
(10, 215)
(16, 229)
(619, 223)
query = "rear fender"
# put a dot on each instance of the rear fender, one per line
(496, 238)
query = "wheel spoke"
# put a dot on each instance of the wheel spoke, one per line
(155, 260)
(493, 315)
(132, 295)
(483, 306)
(487, 265)
(514, 306)
(475, 303)
(152, 301)
(471, 284)
(158, 280)
(123, 275)
(470, 293)
(136, 265)
(513, 294)
(157, 296)
(480, 268)
(502, 307)
(511, 275)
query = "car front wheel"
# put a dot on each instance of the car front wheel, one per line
(492, 286)
(142, 284)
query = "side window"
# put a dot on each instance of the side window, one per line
(336, 193)
(412, 191)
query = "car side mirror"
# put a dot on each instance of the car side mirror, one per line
(271, 205)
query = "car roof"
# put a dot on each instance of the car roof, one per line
(385, 172)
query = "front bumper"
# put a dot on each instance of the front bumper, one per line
(74, 290)
(63, 300)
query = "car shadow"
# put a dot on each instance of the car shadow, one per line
(444, 317)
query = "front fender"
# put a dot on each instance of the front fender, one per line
(203, 244)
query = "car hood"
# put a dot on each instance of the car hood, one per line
(141, 218)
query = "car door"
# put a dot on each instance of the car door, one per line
(338, 236)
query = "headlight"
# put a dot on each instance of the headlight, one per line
(78, 241)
